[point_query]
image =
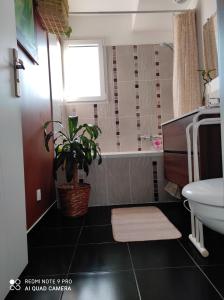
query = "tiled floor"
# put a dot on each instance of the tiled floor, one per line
(83, 251)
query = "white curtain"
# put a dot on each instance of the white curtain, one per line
(186, 81)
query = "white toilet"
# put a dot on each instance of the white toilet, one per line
(206, 200)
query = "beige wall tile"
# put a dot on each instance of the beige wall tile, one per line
(146, 62)
(125, 63)
(127, 99)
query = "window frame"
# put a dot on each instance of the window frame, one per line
(102, 69)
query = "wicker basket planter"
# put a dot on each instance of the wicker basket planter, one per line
(74, 199)
(54, 15)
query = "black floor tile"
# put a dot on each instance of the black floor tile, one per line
(178, 215)
(48, 261)
(102, 286)
(101, 257)
(175, 284)
(96, 234)
(215, 247)
(54, 218)
(48, 236)
(34, 293)
(216, 275)
(158, 254)
(98, 216)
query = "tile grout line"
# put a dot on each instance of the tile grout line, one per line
(73, 255)
(75, 248)
(201, 270)
(133, 270)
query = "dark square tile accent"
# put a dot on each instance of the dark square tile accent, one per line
(96, 234)
(139, 149)
(114, 62)
(156, 52)
(54, 218)
(215, 274)
(115, 69)
(117, 133)
(48, 261)
(95, 105)
(117, 122)
(102, 286)
(159, 254)
(138, 114)
(136, 72)
(118, 144)
(175, 284)
(158, 95)
(36, 295)
(137, 106)
(135, 57)
(98, 216)
(158, 106)
(116, 94)
(116, 112)
(113, 47)
(48, 236)
(115, 79)
(96, 116)
(157, 63)
(158, 84)
(136, 86)
(157, 74)
(137, 96)
(101, 257)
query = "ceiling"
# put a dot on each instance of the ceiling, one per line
(124, 5)
(140, 22)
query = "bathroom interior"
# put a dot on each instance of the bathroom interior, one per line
(154, 225)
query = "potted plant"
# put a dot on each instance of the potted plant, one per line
(75, 149)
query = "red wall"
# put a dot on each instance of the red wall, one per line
(36, 109)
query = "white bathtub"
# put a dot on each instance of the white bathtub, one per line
(128, 178)
(132, 154)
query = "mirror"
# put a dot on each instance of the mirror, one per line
(210, 46)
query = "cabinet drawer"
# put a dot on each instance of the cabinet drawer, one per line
(176, 168)
(174, 134)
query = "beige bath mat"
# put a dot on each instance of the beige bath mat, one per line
(142, 224)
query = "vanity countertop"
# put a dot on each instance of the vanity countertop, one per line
(188, 114)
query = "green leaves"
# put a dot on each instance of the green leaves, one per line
(78, 147)
(72, 126)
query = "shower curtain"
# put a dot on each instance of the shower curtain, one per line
(210, 47)
(186, 82)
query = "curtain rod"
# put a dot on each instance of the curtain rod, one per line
(127, 12)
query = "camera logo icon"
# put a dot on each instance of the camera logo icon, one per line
(15, 285)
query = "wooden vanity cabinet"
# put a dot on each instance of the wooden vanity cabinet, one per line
(175, 150)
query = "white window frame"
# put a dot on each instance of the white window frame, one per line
(102, 62)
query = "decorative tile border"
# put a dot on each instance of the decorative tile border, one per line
(158, 92)
(155, 181)
(115, 96)
(95, 107)
(137, 97)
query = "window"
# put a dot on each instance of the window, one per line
(84, 76)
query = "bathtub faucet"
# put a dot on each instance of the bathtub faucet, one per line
(149, 137)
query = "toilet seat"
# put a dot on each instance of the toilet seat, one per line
(210, 191)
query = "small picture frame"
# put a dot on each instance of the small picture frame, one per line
(25, 28)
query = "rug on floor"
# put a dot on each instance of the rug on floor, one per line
(148, 223)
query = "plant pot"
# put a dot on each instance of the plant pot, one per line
(74, 199)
